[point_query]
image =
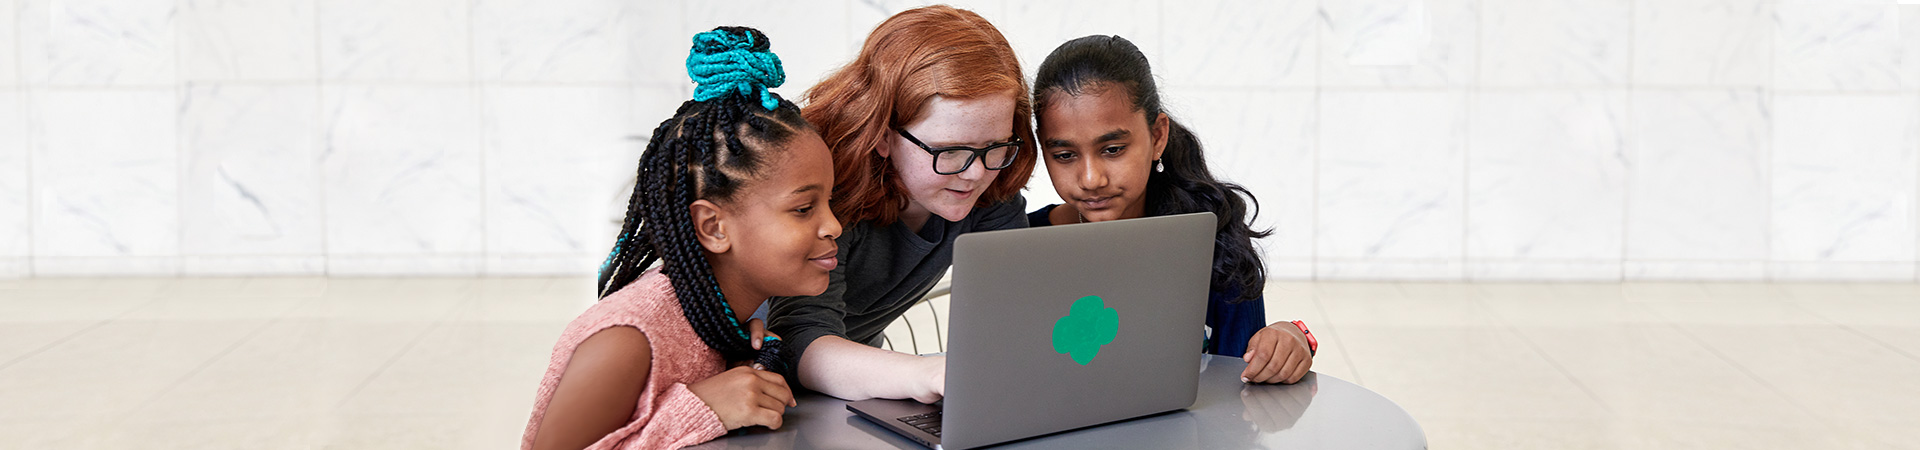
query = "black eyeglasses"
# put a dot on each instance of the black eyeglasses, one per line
(956, 159)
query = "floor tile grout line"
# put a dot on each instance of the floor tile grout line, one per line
(282, 315)
(1751, 375)
(1510, 328)
(55, 343)
(75, 334)
(404, 350)
(1333, 331)
(389, 363)
(122, 418)
(1851, 329)
(1881, 343)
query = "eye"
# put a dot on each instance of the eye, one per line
(1112, 150)
(1063, 156)
(803, 210)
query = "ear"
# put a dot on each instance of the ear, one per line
(886, 147)
(1161, 125)
(710, 226)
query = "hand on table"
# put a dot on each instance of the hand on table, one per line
(1277, 354)
(744, 397)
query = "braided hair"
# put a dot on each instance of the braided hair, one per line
(1186, 185)
(711, 147)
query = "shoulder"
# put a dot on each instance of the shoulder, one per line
(621, 351)
(1005, 214)
(647, 304)
(651, 290)
(1041, 217)
(597, 391)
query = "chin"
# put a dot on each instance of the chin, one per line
(815, 289)
(956, 212)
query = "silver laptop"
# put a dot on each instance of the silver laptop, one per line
(1064, 327)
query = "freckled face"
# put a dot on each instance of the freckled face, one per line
(945, 122)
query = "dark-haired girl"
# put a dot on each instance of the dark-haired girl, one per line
(1114, 154)
(731, 202)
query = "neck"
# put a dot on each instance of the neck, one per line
(915, 216)
(1135, 211)
(740, 299)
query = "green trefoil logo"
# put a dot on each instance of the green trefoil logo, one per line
(1088, 325)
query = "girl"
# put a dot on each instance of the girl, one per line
(1113, 154)
(731, 199)
(929, 128)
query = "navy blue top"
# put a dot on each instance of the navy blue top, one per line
(1232, 323)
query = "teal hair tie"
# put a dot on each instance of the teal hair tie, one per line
(724, 62)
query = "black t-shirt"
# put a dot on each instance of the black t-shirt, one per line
(883, 271)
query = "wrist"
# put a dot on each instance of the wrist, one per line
(933, 374)
(1313, 345)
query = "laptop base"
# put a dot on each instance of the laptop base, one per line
(887, 413)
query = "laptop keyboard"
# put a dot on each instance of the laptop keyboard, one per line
(929, 422)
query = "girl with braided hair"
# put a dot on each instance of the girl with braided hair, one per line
(1114, 154)
(731, 202)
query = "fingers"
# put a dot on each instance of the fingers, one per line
(778, 393)
(766, 416)
(1297, 365)
(1300, 370)
(776, 387)
(758, 332)
(760, 400)
(1259, 352)
(1271, 372)
(1259, 362)
(765, 407)
(1294, 362)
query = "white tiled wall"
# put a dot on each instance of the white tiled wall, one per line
(1385, 139)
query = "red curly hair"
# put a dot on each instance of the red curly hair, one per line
(913, 56)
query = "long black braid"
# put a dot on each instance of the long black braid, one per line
(699, 154)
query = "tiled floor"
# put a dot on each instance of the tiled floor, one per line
(452, 363)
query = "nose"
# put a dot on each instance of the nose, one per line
(832, 228)
(1093, 176)
(974, 171)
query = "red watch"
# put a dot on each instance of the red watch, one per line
(1313, 345)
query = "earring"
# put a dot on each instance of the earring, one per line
(1158, 167)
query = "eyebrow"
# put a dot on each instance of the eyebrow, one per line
(1110, 136)
(944, 144)
(805, 189)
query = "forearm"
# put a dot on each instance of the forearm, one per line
(842, 368)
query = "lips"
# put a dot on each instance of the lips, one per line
(1096, 203)
(828, 261)
(960, 193)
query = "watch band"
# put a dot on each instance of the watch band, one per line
(1313, 345)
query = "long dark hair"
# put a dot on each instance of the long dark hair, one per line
(698, 154)
(1186, 185)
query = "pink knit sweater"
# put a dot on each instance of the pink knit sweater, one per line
(667, 414)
